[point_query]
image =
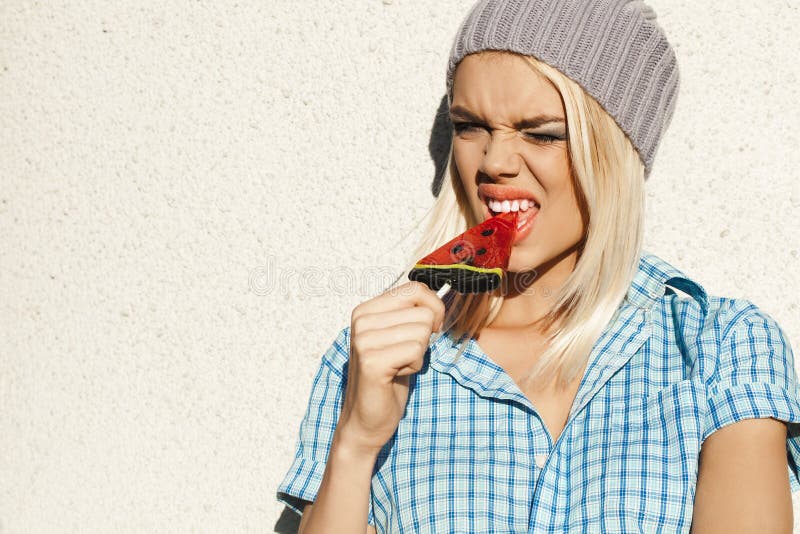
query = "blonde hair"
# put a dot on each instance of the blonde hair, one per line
(608, 178)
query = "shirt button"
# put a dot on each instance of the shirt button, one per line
(540, 460)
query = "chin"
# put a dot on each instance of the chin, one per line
(531, 258)
(522, 261)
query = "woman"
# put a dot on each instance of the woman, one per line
(586, 395)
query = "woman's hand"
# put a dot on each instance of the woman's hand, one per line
(389, 335)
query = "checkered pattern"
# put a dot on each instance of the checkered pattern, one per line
(471, 454)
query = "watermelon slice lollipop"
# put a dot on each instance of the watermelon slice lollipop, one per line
(472, 262)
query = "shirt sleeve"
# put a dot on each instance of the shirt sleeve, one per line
(755, 377)
(302, 481)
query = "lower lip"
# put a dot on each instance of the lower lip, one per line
(524, 222)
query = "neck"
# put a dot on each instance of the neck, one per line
(530, 293)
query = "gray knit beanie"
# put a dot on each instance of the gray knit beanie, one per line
(614, 49)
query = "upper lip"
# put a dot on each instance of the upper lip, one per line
(505, 192)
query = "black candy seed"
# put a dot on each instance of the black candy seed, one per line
(481, 251)
(487, 232)
(457, 249)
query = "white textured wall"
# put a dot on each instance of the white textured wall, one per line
(164, 164)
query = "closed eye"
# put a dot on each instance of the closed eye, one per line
(543, 138)
(464, 127)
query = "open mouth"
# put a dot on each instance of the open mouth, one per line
(526, 207)
(503, 198)
(504, 206)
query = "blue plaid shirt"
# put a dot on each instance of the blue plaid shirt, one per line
(471, 454)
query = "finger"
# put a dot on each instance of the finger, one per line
(384, 337)
(387, 361)
(374, 321)
(403, 296)
(410, 369)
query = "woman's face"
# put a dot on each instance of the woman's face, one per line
(510, 144)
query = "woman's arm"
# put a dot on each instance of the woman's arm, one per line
(389, 336)
(342, 503)
(743, 483)
(307, 513)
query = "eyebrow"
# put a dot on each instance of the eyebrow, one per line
(460, 112)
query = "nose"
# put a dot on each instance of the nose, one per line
(500, 157)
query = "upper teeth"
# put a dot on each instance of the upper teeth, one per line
(503, 206)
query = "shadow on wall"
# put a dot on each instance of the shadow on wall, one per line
(439, 144)
(439, 150)
(288, 522)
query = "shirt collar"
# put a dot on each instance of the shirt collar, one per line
(632, 325)
(652, 278)
(621, 339)
(472, 370)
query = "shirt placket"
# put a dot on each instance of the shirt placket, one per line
(628, 331)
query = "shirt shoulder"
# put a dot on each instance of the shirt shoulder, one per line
(750, 346)
(732, 359)
(725, 338)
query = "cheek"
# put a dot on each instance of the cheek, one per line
(467, 168)
(466, 157)
(550, 163)
(569, 213)
(552, 171)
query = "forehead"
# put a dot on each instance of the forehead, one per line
(503, 84)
